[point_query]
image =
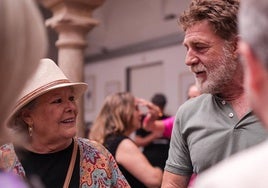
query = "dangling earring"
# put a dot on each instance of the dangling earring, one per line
(30, 130)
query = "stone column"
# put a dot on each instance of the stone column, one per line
(72, 20)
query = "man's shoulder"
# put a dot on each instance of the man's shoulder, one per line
(240, 167)
(200, 106)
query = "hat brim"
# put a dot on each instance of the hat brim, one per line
(78, 87)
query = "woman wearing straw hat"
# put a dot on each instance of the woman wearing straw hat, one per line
(45, 115)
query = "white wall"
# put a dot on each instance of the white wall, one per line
(115, 70)
(125, 22)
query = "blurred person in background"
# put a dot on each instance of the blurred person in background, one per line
(155, 146)
(23, 43)
(164, 126)
(193, 91)
(118, 118)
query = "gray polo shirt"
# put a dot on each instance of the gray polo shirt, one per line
(206, 130)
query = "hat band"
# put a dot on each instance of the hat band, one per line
(38, 90)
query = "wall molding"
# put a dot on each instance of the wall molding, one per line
(169, 40)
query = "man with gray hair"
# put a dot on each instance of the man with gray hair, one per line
(248, 169)
(220, 122)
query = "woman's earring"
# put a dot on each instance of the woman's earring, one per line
(30, 130)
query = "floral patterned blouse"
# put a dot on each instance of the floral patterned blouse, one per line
(97, 166)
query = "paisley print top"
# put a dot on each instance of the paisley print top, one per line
(97, 166)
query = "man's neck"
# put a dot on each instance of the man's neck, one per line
(240, 105)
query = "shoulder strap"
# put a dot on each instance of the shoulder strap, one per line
(71, 166)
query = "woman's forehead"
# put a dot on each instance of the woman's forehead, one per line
(57, 92)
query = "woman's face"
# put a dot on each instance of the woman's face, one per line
(53, 117)
(137, 116)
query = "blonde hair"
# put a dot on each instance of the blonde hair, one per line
(23, 43)
(115, 117)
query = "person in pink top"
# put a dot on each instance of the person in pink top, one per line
(168, 124)
(165, 126)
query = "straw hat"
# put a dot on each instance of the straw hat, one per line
(47, 77)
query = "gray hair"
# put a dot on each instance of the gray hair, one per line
(253, 27)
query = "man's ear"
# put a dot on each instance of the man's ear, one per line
(253, 67)
(236, 45)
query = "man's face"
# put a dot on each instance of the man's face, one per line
(256, 79)
(210, 58)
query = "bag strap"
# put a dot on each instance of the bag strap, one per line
(71, 166)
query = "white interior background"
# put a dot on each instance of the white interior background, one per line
(124, 23)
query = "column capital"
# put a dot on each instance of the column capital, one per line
(72, 19)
